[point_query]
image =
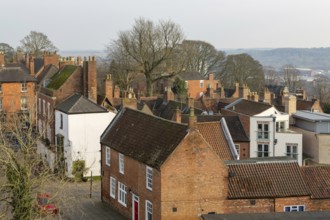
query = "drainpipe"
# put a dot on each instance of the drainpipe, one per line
(101, 172)
(274, 140)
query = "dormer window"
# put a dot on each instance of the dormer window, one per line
(24, 87)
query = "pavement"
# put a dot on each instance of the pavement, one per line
(83, 207)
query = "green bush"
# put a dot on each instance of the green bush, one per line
(78, 170)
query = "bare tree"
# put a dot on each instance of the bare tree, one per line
(36, 43)
(149, 45)
(200, 56)
(8, 51)
(271, 75)
(242, 68)
(291, 77)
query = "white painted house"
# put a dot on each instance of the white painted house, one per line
(269, 131)
(79, 123)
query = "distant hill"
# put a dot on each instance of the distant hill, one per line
(314, 58)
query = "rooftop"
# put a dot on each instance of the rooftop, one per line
(312, 116)
(15, 74)
(248, 107)
(58, 79)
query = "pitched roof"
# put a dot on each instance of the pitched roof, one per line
(58, 79)
(48, 72)
(248, 107)
(160, 136)
(249, 179)
(191, 75)
(15, 74)
(214, 135)
(224, 102)
(234, 125)
(167, 109)
(317, 179)
(38, 64)
(78, 104)
(305, 105)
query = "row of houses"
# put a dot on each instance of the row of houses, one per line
(219, 152)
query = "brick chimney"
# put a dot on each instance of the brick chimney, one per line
(222, 93)
(89, 78)
(190, 102)
(177, 115)
(168, 95)
(267, 96)
(27, 61)
(108, 87)
(79, 61)
(116, 92)
(284, 92)
(2, 59)
(19, 56)
(290, 105)
(51, 58)
(236, 93)
(192, 119)
(31, 65)
(244, 91)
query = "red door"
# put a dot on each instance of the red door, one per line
(135, 208)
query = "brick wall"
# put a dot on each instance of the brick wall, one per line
(134, 178)
(249, 206)
(244, 150)
(194, 87)
(193, 181)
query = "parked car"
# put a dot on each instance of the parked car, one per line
(44, 206)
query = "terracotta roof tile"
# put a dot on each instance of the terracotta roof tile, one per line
(143, 137)
(213, 134)
(317, 179)
(265, 180)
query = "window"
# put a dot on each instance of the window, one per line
(61, 121)
(263, 131)
(280, 126)
(292, 151)
(294, 208)
(39, 105)
(122, 194)
(201, 83)
(149, 178)
(107, 156)
(43, 107)
(24, 87)
(48, 110)
(237, 147)
(263, 150)
(112, 187)
(121, 163)
(24, 103)
(148, 210)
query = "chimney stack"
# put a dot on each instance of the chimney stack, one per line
(244, 91)
(169, 95)
(51, 58)
(236, 93)
(116, 93)
(190, 102)
(192, 119)
(31, 65)
(2, 59)
(267, 96)
(108, 87)
(27, 60)
(177, 115)
(290, 104)
(89, 78)
(19, 56)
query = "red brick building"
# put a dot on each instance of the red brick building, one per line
(158, 169)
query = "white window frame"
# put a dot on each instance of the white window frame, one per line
(294, 208)
(122, 194)
(113, 187)
(24, 87)
(290, 150)
(107, 156)
(201, 83)
(148, 209)
(121, 163)
(43, 107)
(238, 148)
(263, 151)
(262, 133)
(149, 176)
(23, 107)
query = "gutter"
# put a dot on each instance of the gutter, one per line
(229, 139)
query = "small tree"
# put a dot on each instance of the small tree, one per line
(78, 170)
(36, 43)
(8, 50)
(179, 88)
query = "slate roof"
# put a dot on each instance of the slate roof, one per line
(305, 105)
(160, 136)
(47, 73)
(15, 74)
(248, 107)
(224, 102)
(58, 79)
(251, 179)
(317, 179)
(38, 64)
(78, 104)
(191, 76)
(214, 135)
(167, 110)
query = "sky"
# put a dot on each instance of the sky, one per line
(226, 24)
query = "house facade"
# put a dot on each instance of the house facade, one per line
(268, 130)
(174, 172)
(79, 124)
